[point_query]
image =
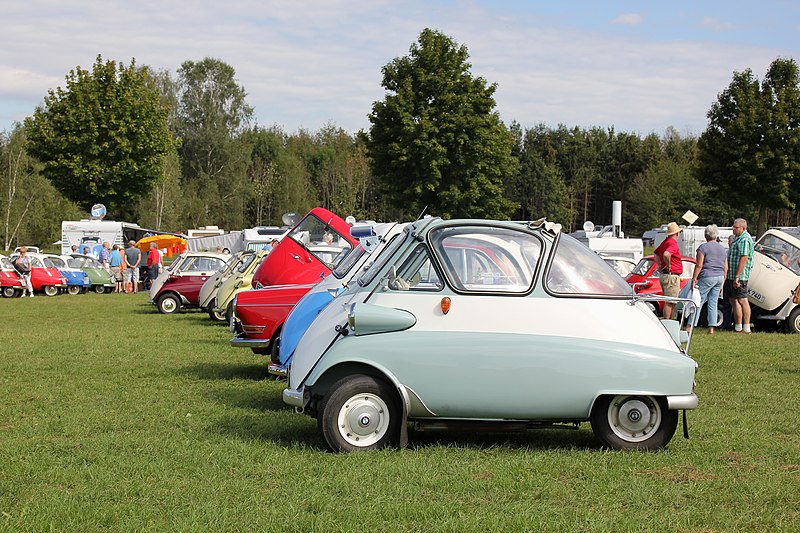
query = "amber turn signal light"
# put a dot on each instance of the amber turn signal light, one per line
(445, 305)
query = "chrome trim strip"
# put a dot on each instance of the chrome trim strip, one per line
(684, 401)
(239, 342)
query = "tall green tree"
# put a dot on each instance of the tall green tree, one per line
(103, 137)
(212, 116)
(750, 151)
(436, 139)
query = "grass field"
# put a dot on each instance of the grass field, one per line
(116, 418)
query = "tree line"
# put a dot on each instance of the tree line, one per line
(173, 152)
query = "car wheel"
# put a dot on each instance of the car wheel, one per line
(169, 304)
(216, 315)
(633, 422)
(99, 289)
(74, 289)
(274, 347)
(793, 322)
(229, 312)
(50, 290)
(360, 413)
(8, 292)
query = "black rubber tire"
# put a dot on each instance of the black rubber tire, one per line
(74, 289)
(217, 317)
(99, 289)
(609, 424)
(50, 290)
(169, 304)
(360, 413)
(793, 321)
(8, 292)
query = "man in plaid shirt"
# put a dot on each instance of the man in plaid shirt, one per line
(740, 262)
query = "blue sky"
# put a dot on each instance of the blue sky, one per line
(637, 66)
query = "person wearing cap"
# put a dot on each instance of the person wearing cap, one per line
(740, 262)
(670, 265)
(134, 259)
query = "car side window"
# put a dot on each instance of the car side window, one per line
(486, 259)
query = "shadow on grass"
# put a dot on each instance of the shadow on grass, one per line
(227, 371)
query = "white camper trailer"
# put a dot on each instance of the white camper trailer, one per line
(609, 241)
(92, 234)
(691, 237)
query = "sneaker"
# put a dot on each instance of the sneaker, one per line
(30, 295)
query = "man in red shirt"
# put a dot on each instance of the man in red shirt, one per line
(153, 261)
(670, 265)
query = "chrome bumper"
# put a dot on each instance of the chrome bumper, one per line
(241, 342)
(295, 398)
(684, 401)
(277, 369)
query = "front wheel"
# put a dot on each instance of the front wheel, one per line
(793, 322)
(50, 290)
(99, 289)
(360, 413)
(74, 289)
(169, 304)
(214, 314)
(633, 422)
(8, 292)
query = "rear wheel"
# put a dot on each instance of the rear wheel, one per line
(99, 289)
(50, 290)
(169, 304)
(8, 292)
(74, 289)
(360, 413)
(633, 422)
(793, 322)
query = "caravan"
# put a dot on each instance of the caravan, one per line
(91, 234)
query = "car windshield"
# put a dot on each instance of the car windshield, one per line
(781, 251)
(349, 260)
(643, 266)
(201, 264)
(6, 263)
(577, 270)
(74, 262)
(394, 244)
(246, 260)
(57, 262)
(321, 240)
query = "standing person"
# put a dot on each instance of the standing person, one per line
(115, 262)
(74, 248)
(153, 262)
(134, 259)
(740, 262)
(23, 265)
(709, 275)
(105, 255)
(670, 265)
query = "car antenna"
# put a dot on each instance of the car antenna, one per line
(422, 212)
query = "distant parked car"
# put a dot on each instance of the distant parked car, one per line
(239, 281)
(481, 325)
(45, 277)
(645, 279)
(77, 279)
(10, 281)
(775, 273)
(209, 290)
(100, 279)
(179, 286)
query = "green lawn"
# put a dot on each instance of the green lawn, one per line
(116, 418)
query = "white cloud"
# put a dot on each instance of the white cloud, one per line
(716, 24)
(628, 19)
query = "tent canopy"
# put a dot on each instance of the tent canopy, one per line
(173, 244)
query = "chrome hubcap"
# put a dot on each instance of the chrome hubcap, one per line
(634, 419)
(363, 420)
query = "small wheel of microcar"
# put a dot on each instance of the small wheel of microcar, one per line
(8, 292)
(633, 422)
(793, 322)
(360, 413)
(50, 290)
(169, 304)
(215, 315)
(74, 289)
(99, 289)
